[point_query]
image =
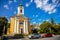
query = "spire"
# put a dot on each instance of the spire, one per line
(20, 2)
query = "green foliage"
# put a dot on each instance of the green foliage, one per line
(18, 35)
(44, 27)
(35, 31)
(52, 21)
(3, 23)
(50, 27)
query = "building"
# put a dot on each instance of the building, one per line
(19, 24)
(35, 26)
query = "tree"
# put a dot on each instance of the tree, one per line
(52, 21)
(44, 27)
(48, 27)
(51, 27)
(58, 28)
(3, 23)
(35, 31)
(59, 24)
(8, 26)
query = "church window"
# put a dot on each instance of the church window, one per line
(21, 11)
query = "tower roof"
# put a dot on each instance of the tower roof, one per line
(21, 3)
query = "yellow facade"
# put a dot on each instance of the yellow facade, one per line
(12, 24)
(29, 27)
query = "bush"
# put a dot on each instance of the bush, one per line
(18, 35)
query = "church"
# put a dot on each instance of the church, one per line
(19, 24)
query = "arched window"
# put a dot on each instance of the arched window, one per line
(21, 10)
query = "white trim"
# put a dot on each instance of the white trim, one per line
(18, 10)
(24, 26)
(15, 27)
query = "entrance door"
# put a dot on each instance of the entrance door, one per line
(20, 28)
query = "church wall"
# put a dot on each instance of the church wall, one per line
(29, 27)
(12, 25)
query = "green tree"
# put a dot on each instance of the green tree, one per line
(59, 24)
(35, 31)
(3, 24)
(58, 28)
(44, 27)
(51, 27)
(52, 21)
(54, 26)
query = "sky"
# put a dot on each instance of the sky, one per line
(37, 10)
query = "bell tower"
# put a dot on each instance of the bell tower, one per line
(20, 9)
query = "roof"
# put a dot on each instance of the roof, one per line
(20, 17)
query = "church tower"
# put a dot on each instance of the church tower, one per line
(20, 9)
(19, 24)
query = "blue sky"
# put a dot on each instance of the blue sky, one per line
(36, 10)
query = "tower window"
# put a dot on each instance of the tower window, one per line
(21, 11)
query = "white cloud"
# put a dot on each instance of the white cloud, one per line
(27, 4)
(14, 12)
(33, 15)
(57, 2)
(50, 13)
(31, 0)
(36, 15)
(54, 1)
(48, 7)
(44, 5)
(45, 2)
(34, 22)
(47, 20)
(54, 10)
(38, 3)
(9, 2)
(6, 7)
(43, 20)
(15, 0)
